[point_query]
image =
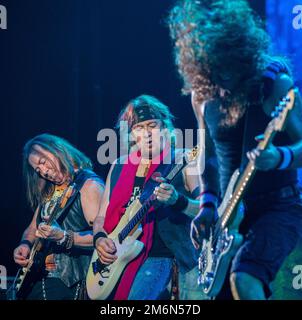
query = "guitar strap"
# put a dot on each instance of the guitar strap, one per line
(163, 170)
(252, 113)
(80, 178)
(79, 181)
(246, 136)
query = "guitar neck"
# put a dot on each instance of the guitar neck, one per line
(50, 220)
(244, 181)
(241, 187)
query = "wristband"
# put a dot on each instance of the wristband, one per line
(209, 205)
(195, 193)
(181, 202)
(208, 199)
(27, 242)
(286, 158)
(98, 235)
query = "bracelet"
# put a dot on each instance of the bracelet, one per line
(98, 235)
(181, 202)
(27, 242)
(69, 240)
(208, 199)
(286, 158)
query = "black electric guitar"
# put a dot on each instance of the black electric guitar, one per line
(224, 241)
(27, 276)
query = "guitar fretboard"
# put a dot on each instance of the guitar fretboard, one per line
(243, 183)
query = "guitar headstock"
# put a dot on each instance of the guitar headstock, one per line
(281, 111)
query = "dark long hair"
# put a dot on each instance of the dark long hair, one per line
(69, 159)
(213, 37)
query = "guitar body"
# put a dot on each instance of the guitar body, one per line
(102, 279)
(27, 276)
(35, 270)
(216, 254)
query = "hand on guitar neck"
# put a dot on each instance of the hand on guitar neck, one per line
(51, 232)
(267, 159)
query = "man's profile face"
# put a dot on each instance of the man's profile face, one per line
(149, 137)
(46, 165)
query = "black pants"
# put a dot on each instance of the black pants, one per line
(54, 289)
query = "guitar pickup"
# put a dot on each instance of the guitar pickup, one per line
(97, 266)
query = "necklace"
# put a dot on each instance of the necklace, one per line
(52, 199)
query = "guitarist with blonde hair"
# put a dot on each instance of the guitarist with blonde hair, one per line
(165, 229)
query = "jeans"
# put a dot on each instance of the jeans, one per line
(188, 286)
(152, 280)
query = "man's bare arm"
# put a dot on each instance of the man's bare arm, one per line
(98, 225)
(30, 232)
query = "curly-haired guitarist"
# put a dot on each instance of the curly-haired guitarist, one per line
(222, 53)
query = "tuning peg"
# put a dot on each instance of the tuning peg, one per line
(282, 103)
(286, 99)
(274, 114)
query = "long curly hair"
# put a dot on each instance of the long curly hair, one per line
(216, 37)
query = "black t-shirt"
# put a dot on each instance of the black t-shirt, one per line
(137, 189)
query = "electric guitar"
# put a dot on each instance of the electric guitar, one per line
(26, 276)
(102, 279)
(224, 239)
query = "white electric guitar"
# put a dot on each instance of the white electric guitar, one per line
(102, 279)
